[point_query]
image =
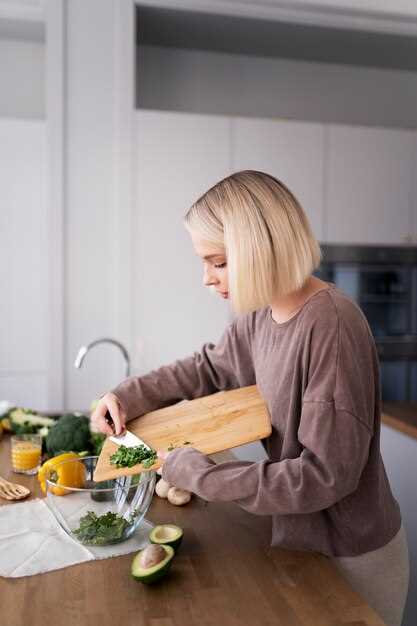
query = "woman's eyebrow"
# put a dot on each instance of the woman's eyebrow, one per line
(212, 256)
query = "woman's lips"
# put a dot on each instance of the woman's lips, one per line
(224, 294)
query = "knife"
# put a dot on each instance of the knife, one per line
(127, 438)
(123, 483)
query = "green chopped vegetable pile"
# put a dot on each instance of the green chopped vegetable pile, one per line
(128, 457)
(99, 530)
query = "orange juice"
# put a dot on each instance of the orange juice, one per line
(26, 453)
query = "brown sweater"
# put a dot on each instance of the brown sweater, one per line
(324, 481)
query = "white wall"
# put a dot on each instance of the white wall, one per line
(232, 84)
(91, 230)
(22, 71)
(24, 249)
(179, 157)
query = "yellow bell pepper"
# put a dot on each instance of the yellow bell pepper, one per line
(67, 475)
(5, 422)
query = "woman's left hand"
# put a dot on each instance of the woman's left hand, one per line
(163, 454)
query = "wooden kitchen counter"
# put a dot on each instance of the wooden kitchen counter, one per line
(401, 416)
(225, 574)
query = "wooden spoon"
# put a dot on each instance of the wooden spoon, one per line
(12, 491)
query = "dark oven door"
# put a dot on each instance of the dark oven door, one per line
(385, 294)
(398, 365)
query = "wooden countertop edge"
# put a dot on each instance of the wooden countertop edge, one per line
(398, 424)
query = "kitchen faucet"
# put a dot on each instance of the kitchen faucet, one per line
(84, 349)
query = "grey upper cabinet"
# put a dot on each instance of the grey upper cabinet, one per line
(291, 151)
(368, 185)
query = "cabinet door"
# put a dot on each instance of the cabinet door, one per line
(368, 185)
(291, 151)
(23, 263)
(179, 157)
(399, 453)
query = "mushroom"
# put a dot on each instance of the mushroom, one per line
(162, 488)
(178, 496)
(152, 555)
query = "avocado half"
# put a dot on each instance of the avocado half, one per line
(167, 534)
(152, 574)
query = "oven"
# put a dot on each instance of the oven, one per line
(383, 282)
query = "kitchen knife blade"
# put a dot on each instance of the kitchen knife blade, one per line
(126, 438)
(129, 440)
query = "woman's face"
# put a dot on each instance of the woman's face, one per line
(214, 265)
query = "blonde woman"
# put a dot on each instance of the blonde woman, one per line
(310, 351)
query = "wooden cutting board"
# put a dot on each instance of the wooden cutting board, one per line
(213, 423)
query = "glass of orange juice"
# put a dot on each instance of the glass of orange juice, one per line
(26, 453)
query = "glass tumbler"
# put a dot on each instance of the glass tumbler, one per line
(26, 453)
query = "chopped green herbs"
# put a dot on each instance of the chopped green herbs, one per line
(149, 461)
(100, 530)
(128, 457)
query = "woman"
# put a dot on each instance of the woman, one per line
(310, 351)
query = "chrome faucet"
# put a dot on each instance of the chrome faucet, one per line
(84, 349)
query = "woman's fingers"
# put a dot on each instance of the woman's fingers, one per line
(162, 454)
(116, 414)
(98, 420)
(109, 403)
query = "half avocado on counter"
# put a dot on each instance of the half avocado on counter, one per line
(152, 563)
(167, 534)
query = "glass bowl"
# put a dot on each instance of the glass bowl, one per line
(97, 513)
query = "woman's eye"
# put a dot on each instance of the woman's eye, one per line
(220, 265)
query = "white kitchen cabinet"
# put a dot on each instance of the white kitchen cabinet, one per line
(23, 263)
(399, 453)
(368, 185)
(291, 151)
(179, 157)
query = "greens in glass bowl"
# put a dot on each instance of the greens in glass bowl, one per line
(98, 513)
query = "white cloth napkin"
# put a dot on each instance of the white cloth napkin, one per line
(33, 542)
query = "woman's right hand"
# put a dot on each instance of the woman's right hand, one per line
(111, 403)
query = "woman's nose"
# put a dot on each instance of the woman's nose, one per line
(209, 278)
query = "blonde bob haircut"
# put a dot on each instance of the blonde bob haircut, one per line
(265, 234)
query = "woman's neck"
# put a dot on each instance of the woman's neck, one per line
(284, 308)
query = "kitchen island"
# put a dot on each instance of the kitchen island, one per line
(225, 573)
(401, 416)
(399, 452)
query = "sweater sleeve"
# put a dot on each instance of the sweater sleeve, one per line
(334, 442)
(217, 367)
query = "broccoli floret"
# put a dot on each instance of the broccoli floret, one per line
(70, 433)
(97, 442)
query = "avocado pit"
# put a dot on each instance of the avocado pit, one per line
(151, 556)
